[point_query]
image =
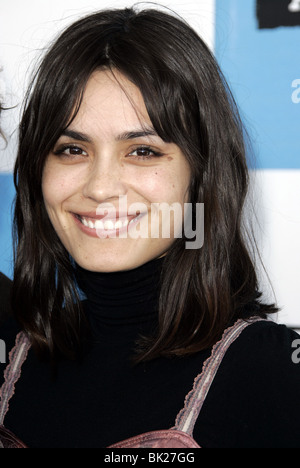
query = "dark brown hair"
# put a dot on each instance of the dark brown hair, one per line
(1, 132)
(189, 104)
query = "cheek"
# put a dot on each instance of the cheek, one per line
(57, 186)
(167, 185)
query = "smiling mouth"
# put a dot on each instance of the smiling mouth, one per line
(109, 225)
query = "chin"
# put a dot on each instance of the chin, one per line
(110, 266)
(124, 257)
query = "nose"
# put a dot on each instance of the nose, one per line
(105, 180)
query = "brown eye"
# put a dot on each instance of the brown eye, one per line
(74, 150)
(144, 153)
(70, 150)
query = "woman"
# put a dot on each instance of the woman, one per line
(129, 111)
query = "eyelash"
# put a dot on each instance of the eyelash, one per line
(61, 151)
(155, 154)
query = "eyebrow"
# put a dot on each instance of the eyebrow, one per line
(136, 134)
(76, 135)
(131, 135)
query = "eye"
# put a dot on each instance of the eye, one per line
(145, 152)
(71, 151)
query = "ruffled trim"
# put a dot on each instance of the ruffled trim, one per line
(194, 400)
(12, 372)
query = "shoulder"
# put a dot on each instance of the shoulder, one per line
(269, 332)
(261, 365)
(253, 401)
(266, 348)
(266, 339)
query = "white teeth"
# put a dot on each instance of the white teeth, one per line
(99, 224)
(118, 224)
(109, 225)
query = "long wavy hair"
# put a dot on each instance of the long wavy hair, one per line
(1, 131)
(189, 104)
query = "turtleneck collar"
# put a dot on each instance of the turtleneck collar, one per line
(123, 298)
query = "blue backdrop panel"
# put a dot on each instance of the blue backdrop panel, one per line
(260, 56)
(7, 193)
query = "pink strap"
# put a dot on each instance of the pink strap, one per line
(12, 372)
(187, 417)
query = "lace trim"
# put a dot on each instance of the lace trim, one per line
(12, 372)
(194, 400)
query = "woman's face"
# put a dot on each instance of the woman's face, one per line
(111, 183)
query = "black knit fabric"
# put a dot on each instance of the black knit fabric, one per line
(104, 398)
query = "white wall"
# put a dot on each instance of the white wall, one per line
(277, 197)
(26, 27)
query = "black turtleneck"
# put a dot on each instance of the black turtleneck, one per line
(121, 303)
(105, 398)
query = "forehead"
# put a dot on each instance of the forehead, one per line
(110, 104)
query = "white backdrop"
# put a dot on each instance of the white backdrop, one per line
(26, 27)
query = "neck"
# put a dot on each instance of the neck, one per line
(126, 298)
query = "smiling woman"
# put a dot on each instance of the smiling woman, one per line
(128, 114)
(106, 154)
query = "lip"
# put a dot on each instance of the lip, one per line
(108, 214)
(127, 222)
